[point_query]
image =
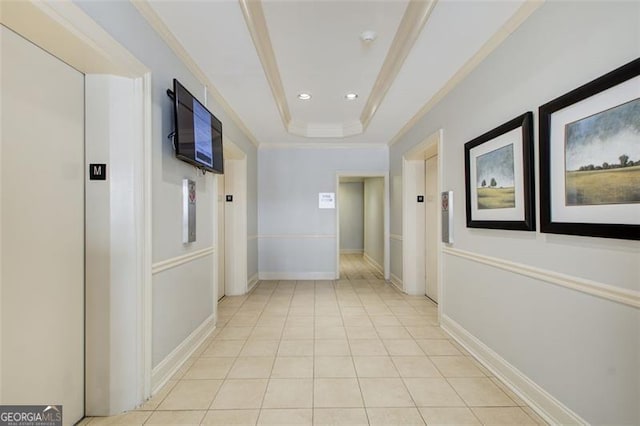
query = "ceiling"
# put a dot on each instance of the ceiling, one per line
(259, 55)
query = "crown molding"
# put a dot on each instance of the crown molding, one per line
(492, 44)
(320, 130)
(163, 31)
(415, 17)
(257, 25)
(321, 145)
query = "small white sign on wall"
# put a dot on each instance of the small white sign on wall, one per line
(327, 200)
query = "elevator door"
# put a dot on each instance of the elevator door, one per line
(42, 229)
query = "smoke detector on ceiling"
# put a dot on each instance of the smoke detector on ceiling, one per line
(368, 36)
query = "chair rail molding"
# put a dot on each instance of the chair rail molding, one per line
(593, 288)
(181, 260)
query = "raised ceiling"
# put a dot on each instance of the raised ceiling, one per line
(259, 55)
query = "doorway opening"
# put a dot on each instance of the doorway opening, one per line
(362, 227)
(422, 184)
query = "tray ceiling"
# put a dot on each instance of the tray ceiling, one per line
(259, 55)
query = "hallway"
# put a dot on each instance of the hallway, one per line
(352, 352)
(367, 140)
(353, 267)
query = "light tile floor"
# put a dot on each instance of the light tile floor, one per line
(349, 352)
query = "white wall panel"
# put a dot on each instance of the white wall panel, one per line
(112, 253)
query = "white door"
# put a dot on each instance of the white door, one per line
(431, 227)
(42, 229)
(221, 235)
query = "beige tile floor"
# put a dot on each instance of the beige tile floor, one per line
(349, 352)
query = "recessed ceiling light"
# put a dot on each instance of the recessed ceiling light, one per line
(304, 96)
(351, 96)
(368, 36)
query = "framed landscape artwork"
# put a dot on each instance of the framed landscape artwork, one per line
(500, 177)
(590, 158)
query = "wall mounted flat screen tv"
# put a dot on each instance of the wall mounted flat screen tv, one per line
(198, 135)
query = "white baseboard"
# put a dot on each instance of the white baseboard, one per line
(297, 276)
(397, 282)
(252, 282)
(172, 363)
(351, 251)
(373, 263)
(544, 404)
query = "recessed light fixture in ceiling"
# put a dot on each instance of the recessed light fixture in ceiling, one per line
(304, 96)
(368, 36)
(351, 96)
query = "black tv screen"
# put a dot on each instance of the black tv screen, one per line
(198, 136)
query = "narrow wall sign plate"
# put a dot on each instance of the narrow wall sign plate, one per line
(446, 199)
(188, 211)
(97, 171)
(327, 200)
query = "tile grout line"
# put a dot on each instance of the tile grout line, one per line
(353, 362)
(264, 395)
(232, 364)
(237, 356)
(313, 372)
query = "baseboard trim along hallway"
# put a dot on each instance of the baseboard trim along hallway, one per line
(169, 366)
(548, 407)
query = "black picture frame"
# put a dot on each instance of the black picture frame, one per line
(548, 146)
(524, 192)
